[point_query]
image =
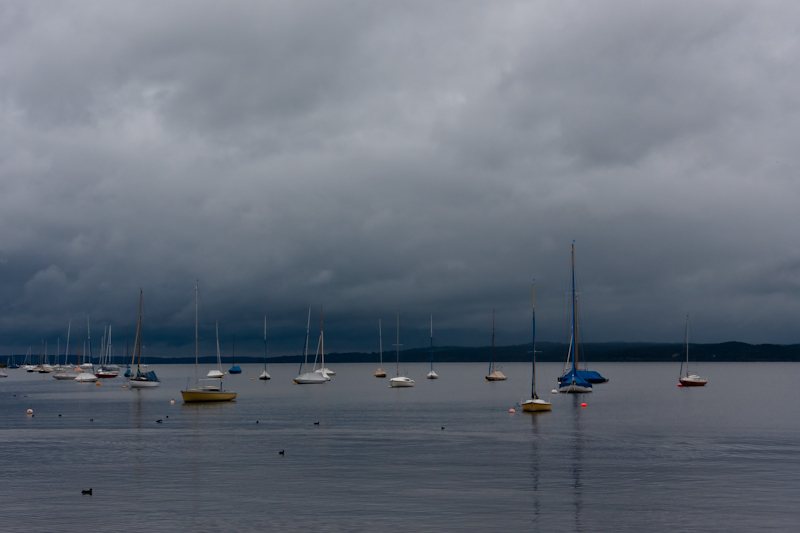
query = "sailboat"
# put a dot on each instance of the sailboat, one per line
(314, 377)
(432, 374)
(494, 372)
(26, 364)
(217, 374)
(535, 403)
(204, 393)
(143, 379)
(265, 375)
(105, 364)
(13, 364)
(572, 381)
(66, 372)
(689, 380)
(380, 373)
(398, 380)
(322, 370)
(234, 369)
(87, 376)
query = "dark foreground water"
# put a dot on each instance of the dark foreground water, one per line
(644, 455)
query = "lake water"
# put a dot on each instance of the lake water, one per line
(446, 455)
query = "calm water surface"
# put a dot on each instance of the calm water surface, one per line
(644, 455)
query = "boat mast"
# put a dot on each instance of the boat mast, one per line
(533, 344)
(265, 343)
(321, 340)
(139, 334)
(219, 360)
(574, 317)
(195, 330)
(687, 344)
(431, 342)
(66, 349)
(491, 361)
(380, 340)
(397, 371)
(89, 338)
(308, 327)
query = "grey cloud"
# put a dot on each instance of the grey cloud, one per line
(427, 157)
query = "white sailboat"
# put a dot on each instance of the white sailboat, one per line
(217, 374)
(66, 372)
(432, 374)
(265, 375)
(314, 377)
(398, 380)
(322, 370)
(380, 372)
(204, 393)
(689, 379)
(495, 373)
(87, 376)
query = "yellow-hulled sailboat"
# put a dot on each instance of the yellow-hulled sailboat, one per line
(204, 393)
(535, 403)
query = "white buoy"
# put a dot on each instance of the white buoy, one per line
(172, 402)
(30, 411)
(554, 391)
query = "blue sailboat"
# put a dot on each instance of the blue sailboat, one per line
(234, 369)
(572, 381)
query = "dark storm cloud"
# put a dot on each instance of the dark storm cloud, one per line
(427, 157)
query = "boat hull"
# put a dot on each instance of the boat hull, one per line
(401, 382)
(264, 376)
(136, 384)
(207, 395)
(432, 375)
(533, 406)
(692, 382)
(106, 375)
(86, 377)
(573, 388)
(380, 373)
(311, 378)
(65, 376)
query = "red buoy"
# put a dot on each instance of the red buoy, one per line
(583, 405)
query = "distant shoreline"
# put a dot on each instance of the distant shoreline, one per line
(545, 352)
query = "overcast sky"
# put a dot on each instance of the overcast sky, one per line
(426, 157)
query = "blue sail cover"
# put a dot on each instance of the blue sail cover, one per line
(149, 376)
(235, 370)
(574, 376)
(591, 376)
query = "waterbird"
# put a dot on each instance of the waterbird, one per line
(89, 492)
(316, 423)
(91, 420)
(159, 421)
(442, 427)
(281, 452)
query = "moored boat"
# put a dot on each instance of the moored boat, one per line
(535, 404)
(142, 378)
(689, 379)
(572, 382)
(204, 393)
(495, 373)
(399, 380)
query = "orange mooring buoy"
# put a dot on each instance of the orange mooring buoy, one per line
(511, 410)
(583, 405)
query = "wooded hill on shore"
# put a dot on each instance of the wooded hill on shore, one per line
(545, 352)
